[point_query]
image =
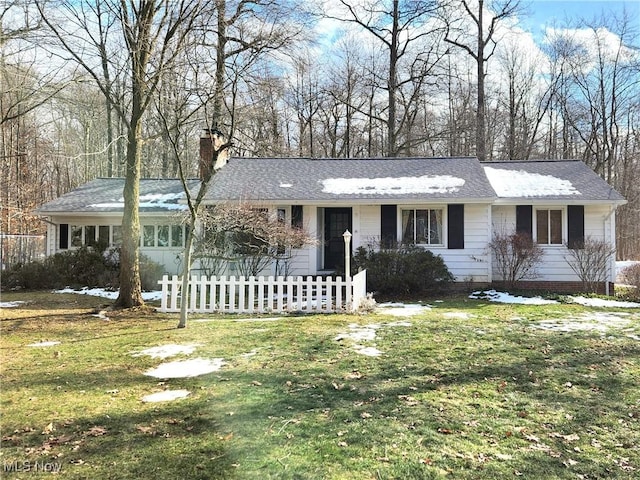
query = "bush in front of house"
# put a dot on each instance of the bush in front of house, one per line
(406, 270)
(84, 267)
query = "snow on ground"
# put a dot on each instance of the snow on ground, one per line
(594, 321)
(10, 304)
(166, 351)
(44, 344)
(401, 309)
(110, 294)
(367, 333)
(368, 351)
(501, 297)
(166, 396)
(359, 333)
(186, 368)
(600, 302)
(460, 315)
(258, 319)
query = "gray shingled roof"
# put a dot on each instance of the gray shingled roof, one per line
(556, 180)
(104, 195)
(305, 180)
(386, 180)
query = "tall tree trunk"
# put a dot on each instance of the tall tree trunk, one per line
(130, 294)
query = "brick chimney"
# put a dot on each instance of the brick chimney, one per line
(210, 142)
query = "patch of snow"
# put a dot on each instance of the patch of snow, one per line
(166, 396)
(258, 319)
(401, 309)
(501, 297)
(101, 315)
(286, 185)
(368, 351)
(359, 333)
(390, 185)
(110, 294)
(518, 183)
(11, 304)
(167, 201)
(460, 315)
(186, 368)
(367, 333)
(598, 322)
(166, 351)
(44, 344)
(599, 302)
(250, 354)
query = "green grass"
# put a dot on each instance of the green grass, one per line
(488, 396)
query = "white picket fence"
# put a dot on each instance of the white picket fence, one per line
(264, 294)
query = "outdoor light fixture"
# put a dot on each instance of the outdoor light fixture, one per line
(347, 264)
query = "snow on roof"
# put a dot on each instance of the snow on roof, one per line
(518, 183)
(151, 200)
(391, 185)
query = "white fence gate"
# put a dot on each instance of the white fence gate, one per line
(264, 294)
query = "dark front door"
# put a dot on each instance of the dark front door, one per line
(336, 221)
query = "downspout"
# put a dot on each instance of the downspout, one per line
(612, 238)
(490, 237)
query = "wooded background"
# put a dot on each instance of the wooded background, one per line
(343, 78)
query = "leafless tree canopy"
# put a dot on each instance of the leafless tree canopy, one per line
(88, 89)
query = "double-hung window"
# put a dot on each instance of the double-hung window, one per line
(549, 226)
(422, 226)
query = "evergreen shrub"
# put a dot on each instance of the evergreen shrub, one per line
(406, 270)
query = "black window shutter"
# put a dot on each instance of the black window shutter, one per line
(524, 219)
(575, 226)
(455, 230)
(64, 236)
(388, 225)
(296, 216)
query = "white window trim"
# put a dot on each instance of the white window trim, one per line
(444, 235)
(565, 232)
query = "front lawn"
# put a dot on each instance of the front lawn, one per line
(465, 389)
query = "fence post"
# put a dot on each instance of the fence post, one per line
(359, 289)
(165, 284)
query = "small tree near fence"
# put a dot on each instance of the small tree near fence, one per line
(248, 237)
(516, 255)
(590, 261)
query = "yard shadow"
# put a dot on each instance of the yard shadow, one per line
(166, 441)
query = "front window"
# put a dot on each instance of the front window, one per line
(177, 235)
(549, 227)
(422, 227)
(163, 235)
(76, 235)
(148, 235)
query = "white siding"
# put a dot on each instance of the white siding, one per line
(598, 224)
(369, 231)
(468, 264)
(472, 262)
(305, 260)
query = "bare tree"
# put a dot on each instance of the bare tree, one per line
(152, 34)
(402, 30)
(517, 256)
(480, 46)
(591, 261)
